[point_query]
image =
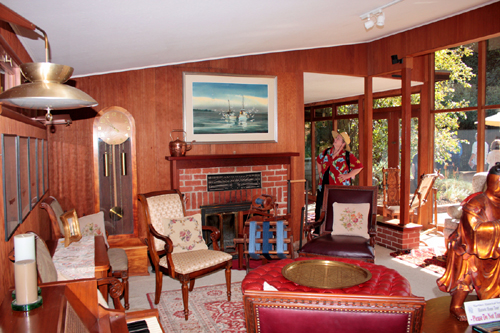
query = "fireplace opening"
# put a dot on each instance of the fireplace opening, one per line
(229, 230)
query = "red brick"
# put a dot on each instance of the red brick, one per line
(274, 167)
(192, 171)
(192, 183)
(227, 169)
(268, 173)
(259, 168)
(199, 177)
(199, 188)
(186, 177)
(209, 170)
(186, 189)
(243, 169)
(280, 183)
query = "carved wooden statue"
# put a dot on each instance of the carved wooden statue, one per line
(473, 261)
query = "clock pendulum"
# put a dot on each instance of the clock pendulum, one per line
(114, 134)
(116, 212)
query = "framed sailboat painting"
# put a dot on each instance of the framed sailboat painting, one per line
(220, 108)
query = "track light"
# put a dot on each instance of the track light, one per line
(369, 24)
(380, 20)
(376, 16)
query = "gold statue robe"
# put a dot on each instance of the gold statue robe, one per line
(474, 249)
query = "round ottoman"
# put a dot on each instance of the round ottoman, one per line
(384, 281)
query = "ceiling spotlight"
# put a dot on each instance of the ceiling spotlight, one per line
(376, 15)
(369, 24)
(381, 20)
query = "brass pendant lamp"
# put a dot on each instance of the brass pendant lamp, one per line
(46, 89)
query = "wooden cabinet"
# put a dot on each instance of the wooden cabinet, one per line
(137, 253)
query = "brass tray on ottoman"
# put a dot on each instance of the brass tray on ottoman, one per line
(325, 274)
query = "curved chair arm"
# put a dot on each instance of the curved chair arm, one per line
(309, 227)
(115, 290)
(214, 235)
(169, 247)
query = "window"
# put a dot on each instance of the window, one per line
(493, 71)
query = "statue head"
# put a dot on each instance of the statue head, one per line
(493, 180)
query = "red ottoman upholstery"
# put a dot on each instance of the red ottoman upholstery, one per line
(382, 304)
(384, 281)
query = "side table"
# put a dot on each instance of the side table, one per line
(437, 317)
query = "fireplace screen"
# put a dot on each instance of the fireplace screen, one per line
(234, 181)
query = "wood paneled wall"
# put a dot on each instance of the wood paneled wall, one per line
(154, 98)
(36, 221)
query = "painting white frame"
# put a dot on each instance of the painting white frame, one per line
(267, 132)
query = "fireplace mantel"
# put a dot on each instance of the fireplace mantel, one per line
(209, 161)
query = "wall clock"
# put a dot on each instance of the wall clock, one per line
(114, 165)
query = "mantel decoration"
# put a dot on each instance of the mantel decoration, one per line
(45, 89)
(239, 108)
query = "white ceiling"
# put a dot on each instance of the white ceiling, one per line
(104, 36)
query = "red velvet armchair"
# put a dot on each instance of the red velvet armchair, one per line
(344, 245)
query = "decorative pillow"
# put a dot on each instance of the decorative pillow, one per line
(93, 225)
(185, 233)
(351, 219)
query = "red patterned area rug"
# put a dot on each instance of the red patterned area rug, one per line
(425, 257)
(209, 310)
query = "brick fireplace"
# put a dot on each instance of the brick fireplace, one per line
(193, 184)
(189, 174)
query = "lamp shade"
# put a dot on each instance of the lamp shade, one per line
(46, 90)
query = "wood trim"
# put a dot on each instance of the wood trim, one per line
(11, 114)
(405, 144)
(211, 161)
(10, 51)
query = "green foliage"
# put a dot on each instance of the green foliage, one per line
(453, 191)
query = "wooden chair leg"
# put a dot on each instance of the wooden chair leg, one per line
(185, 295)
(191, 284)
(159, 282)
(124, 277)
(228, 280)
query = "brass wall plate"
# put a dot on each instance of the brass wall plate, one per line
(325, 274)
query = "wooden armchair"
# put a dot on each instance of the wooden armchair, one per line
(425, 187)
(163, 213)
(353, 233)
(391, 189)
(285, 311)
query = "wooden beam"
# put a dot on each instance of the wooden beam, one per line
(405, 141)
(481, 101)
(366, 134)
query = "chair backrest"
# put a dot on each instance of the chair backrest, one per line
(391, 186)
(45, 266)
(424, 188)
(54, 209)
(349, 194)
(158, 205)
